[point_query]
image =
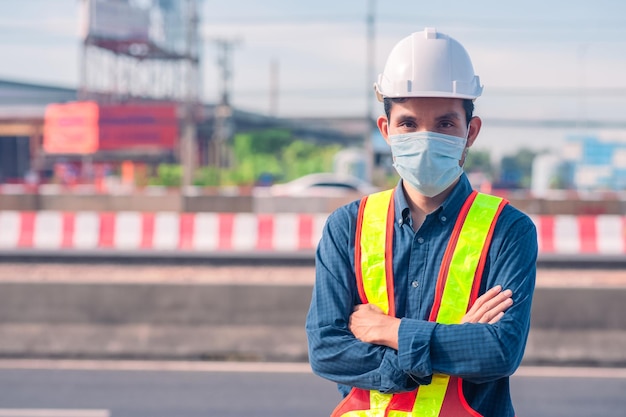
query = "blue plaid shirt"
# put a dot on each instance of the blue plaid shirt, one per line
(483, 355)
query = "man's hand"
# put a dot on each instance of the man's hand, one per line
(489, 307)
(369, 324)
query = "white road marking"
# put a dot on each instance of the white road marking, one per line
(171, 366)
(23, 412)
(570, 372)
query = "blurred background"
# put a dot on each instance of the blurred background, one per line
(213, 93)
(167, 166)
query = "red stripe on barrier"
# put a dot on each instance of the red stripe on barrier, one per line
(107, 230)
(187, 223)
(546, 234)
(147, 230)
(305, 231)
(225, 231)
(27, 229)
(67, 230)
(587, 234)
(265, 232)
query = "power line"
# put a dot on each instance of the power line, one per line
(566, 92)
(495, 22)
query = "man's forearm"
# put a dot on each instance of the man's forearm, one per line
(474, 351)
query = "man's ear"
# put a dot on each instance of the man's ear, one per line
(474, 129)
(383, 126)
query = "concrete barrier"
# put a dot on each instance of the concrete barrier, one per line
(578, 326)
(256, 322)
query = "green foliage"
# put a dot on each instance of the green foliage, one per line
(302, 158)
(272, 152)
(168, 175)
(270, 141)
(207, 176)
(478, 161)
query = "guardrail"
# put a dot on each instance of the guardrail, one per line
(90, 232)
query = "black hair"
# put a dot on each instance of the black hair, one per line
(468, 106)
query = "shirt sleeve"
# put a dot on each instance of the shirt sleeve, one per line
(481, 352)
(334, 352)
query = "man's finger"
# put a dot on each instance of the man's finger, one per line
(496, 310)
(495, 301)
(497, 318)
(492, 292)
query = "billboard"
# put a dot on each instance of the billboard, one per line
(116, 20)
(151, 27)
(88, 127)
(71, 128)
(137, 126)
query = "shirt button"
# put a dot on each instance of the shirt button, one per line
(444, 218)
(420, 240)
(415, 284)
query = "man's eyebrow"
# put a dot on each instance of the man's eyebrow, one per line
(406, 118)
(450, 115)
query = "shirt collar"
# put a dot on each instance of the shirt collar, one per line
(448, 210)
(402, 211)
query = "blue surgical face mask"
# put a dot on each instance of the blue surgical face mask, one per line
(428, 161)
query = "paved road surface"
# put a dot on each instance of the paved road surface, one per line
(185, 389)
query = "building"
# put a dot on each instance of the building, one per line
(596, 163)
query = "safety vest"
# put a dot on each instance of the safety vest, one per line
(457, 288)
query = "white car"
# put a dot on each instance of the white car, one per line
(323, 185)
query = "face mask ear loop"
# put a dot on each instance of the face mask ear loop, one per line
(466, 150)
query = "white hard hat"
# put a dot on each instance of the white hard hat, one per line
(428, 64)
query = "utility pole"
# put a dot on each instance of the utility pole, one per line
(369, 80)
(188, 145)
(274, 88)
(223, 123)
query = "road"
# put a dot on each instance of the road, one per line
(185, 389)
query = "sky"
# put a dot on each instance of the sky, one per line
(537, 59)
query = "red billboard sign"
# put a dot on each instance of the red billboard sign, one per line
(87, 127)
(71, 128)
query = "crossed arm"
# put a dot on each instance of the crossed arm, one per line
(369, 324)
(361, 347)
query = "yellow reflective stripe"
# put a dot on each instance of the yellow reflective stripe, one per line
(378, 405)
(430, 397)
(456, 293)
(457, 290)
(373, 238)
(379, 400)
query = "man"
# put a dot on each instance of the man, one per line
(421, 304)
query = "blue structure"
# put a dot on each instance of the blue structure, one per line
(596, 164)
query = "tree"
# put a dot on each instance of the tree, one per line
(272, 153)
(479, 161)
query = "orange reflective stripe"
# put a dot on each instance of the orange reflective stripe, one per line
(373, 249)
(378, 403)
